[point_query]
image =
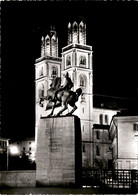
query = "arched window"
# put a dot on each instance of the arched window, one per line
(82, 60)
(42, 46)
(81, 33)
(54, 72)
(68, 61)
(54, 45)
(82, 81)
(41, 71)
(75, 32)
(47, 45)
(41, 91)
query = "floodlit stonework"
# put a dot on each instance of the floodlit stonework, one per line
(124, 133)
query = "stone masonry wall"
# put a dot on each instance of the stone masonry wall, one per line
(18, 178)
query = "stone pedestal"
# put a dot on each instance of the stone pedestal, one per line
(58, 156)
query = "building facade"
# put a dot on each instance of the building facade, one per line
(124, 134)
(77, 61)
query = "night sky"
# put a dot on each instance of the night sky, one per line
(112, 30)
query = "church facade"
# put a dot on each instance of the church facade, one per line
(77, 61)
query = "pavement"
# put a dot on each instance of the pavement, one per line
(56, 190)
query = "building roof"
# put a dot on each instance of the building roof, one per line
(116, 103)
(99, 126)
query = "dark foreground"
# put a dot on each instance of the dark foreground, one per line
(54, 190)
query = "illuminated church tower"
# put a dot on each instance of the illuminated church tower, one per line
(77, 61)
(46, 68)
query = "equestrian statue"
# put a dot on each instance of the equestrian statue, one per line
(61, 95)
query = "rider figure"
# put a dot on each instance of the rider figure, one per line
(67, 85)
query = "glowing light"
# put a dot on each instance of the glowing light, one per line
(14, 150)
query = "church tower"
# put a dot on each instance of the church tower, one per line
(77, 61)
(47, 67)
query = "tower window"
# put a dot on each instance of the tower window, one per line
(54, 72)
(41, 91)
(68, 61)
(75, 32)
(82, 83)
(82, 60)
(106, 119)
(98, 134)
(41, 71)
(98, 150)
(83, 110)
(82, 97)
(82, 80)
(101, 119)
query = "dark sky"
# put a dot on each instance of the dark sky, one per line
(112, 30)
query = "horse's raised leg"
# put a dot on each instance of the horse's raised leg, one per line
(52, 111)
(63, 109)
(70, 113)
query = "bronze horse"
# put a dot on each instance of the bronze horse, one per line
(65, 97)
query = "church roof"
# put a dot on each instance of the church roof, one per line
(115, 103)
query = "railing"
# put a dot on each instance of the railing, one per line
(123, 179)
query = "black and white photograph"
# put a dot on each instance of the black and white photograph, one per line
(69, 97)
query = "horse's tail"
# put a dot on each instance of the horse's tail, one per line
(78, 93)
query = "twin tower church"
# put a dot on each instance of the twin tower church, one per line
(77, 61)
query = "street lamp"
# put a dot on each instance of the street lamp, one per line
(13, 150)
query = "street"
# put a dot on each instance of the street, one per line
(57, 190)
